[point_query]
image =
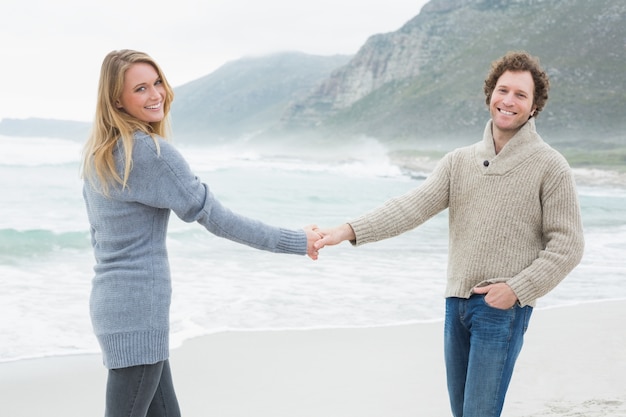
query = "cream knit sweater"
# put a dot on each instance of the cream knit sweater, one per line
(513, 217)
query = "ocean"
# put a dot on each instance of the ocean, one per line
(46, 259)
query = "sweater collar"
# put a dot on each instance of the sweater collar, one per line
(524, 144)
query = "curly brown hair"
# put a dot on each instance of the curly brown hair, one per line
(519, 61)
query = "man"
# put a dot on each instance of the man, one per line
(515, 233)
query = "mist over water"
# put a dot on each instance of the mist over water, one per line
(46, 259)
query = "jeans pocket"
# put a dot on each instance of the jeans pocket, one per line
(484, 300)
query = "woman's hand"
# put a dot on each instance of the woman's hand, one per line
(312, 236)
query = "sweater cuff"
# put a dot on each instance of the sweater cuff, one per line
(362, 232)
(292, 241)
(524, 290)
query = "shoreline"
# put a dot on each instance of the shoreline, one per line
(573, 363)
(177, 344)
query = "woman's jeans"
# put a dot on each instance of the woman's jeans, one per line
(481, 345)
(141, 391)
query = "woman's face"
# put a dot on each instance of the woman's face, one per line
(143, 93)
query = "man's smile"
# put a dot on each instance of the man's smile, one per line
(507, 113)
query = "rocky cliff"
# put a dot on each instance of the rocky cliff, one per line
(424, 81)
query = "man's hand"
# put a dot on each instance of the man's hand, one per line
(498, 295)
(334, 236)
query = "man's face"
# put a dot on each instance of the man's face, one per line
(512, 102)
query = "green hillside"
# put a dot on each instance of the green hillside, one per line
(245, 97)
(420, 89)
(580, 43)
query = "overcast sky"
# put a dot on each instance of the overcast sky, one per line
(51, 51)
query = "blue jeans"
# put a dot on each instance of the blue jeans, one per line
(481, 345)
(141, 391)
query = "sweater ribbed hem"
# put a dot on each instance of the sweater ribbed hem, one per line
(460, 288)
(121, 350)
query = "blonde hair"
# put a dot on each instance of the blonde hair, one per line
(112, 123)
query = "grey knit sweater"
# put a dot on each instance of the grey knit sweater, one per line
(514, 217)
(131, 290)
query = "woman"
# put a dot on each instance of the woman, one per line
(134, 178)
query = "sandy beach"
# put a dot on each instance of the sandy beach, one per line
(573, 364)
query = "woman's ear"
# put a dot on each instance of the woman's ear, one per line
(119, 105)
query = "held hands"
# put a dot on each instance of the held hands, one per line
(319, 238)
(334, 236)
(312, 236)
